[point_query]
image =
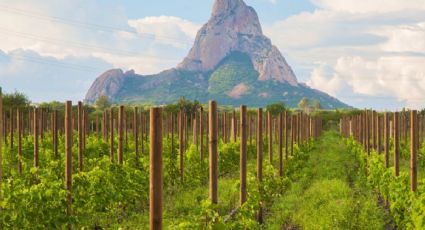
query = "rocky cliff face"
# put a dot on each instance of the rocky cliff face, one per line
(231, 61)
(108, 84)
(234, 26)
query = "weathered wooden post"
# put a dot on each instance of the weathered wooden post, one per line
(396, 143)
(12, 127)
(259, 144)
(104, 126)
(136, 132)
(213, 151)
(386, 140)
(201, 130)
(373, 128)
(155, 177)
(111, 136)
(68, 157)
(97, 125)
(234, 126)
(270, 136)
(80, 135)
(120, 134)
(1, 137)
(286, 134)
(259, 140)
(280, 144)
(242, 153)
(292, 134)
(19, 127)
(413, 150)
(55, 132)
(36, 130)
(181, 144)
(368, 132)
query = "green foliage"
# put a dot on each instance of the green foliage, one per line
(233, 70)
(326, 191)
(276, 108)
(54, 105)
(316, 104)
(15, 100)
(303, 103)
(102, 103)
(187, 106)
(407, 208)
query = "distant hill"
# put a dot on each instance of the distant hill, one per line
(231, 61)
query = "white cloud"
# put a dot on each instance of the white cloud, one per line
(167, 29)
(404, 38)
(367, 6)
(85, 30)
(369, 54)
(397, 76)
(323, 78)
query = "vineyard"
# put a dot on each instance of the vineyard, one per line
(209, 167)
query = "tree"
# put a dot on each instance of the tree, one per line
(316, 104)
(15, 100)
(276, 108)
(171, 108)
(303, 103)
(54, 105)
(102, 102)
(188, 106)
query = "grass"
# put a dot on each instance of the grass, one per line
(328, 193)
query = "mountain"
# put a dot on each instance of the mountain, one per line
(231, 61)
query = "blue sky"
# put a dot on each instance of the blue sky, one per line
(267, 10)
(366, 53)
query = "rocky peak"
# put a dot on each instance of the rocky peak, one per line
(225, 6)
(234, 26)
(107, 84)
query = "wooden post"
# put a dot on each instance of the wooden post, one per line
(1, 138)
(286, 134)
(97, 125)
(396, 144)
(19, 127)
(80, 135)
(155, 176)
(11, 129)
(292, 134)
(242, 153)
(260, 144)
(201, 130)
(195, 130)
(378, 133)
(368, 132)
(373, 121)
(280, 144)
(386, 140)
(181, 144)
(234, 126)
(270, 135)
(259, 140)
(142, 133)
(213, 151)
(111, 136)
(68, 157)
(136, 132)
(413, 150)
(120, 134)
(55, 132)
(104, 126)
(36, 130)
